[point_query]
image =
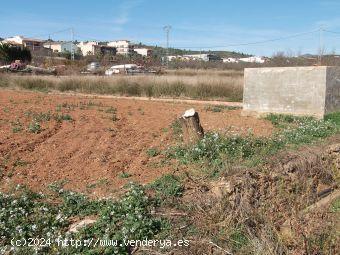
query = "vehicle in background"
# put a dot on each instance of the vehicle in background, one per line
(93, 67)
(129, 69)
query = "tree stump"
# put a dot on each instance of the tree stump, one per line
(191, 126)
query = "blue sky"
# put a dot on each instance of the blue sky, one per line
(196, 24)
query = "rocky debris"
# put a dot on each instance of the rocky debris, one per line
(75, 227)
(334, 152)
(221, 188)
(334, 149)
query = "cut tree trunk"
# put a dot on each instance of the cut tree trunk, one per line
(191, 126)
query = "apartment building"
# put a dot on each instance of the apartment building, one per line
(124, 47)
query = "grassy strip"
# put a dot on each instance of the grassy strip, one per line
(224, 89)
(215, 149)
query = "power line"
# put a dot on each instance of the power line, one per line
(252, 43)
(168, 28)
(330, 31)
(52, 33)
(85, 37)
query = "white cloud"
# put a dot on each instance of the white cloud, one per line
(124, 11)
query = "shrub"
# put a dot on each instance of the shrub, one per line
(152, 152)
(220, 108)
(213, 148)
(111, 110)
(176, 127)
(334, 117)
(124, 175)
(16, 126)
(34, 127)
(25, 214)
(167, 186)
(9, 53)
(62, 117)
(76, 204)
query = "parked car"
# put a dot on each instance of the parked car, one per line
(93, 67)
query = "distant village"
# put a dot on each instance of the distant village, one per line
(118, 47)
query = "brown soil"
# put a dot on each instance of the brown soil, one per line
(91, 152)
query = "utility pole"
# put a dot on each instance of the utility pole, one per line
(320, 45)
(49, 40)
(72, 49)
(167, 31)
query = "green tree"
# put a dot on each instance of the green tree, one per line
(9, 53)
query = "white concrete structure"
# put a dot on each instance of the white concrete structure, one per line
(195, 57)
(204, 57)
(230, 60)
(312, 90)
(143, 51)
(254, 59)
(116, 69)
(123, 47)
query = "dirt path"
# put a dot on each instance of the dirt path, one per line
(156, 99)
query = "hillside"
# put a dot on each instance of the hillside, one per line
(161, 51)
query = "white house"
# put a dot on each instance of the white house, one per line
(30, 43)
(61, 46)
(92, 48)
(143, 51)
(123, 47)
(54, 46)
(87, 48)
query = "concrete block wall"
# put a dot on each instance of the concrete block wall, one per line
(291, 90)
(332, 90)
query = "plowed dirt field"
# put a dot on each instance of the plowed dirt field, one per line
(95, 144)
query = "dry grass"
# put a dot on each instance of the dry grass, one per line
(206, 72)
(215, 85)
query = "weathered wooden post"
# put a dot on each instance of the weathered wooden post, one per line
(191, 126)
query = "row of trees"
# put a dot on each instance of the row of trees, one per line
(9, 53)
